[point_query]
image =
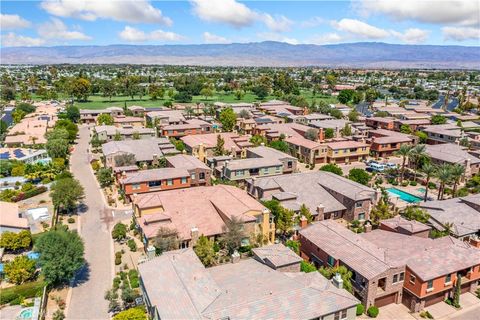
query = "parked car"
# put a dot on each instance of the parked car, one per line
(378, 167)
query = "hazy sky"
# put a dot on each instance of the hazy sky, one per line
(101, 22)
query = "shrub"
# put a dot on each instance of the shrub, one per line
(413, 183)
(432, 185)
(307, 267)
(119, 231)
(372, 312)
(132, 245)
(118, 261)
(426, 314)
(133, 277)
(71, 220)
(27, 290)
(360, 309)
(404, 183)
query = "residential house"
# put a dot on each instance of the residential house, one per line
(137, 111)
(193, 212)
(24, 155)
(390, 267)
(380, 123)
(448, 133)
(90, 116)
(176, 285)
(188, 127)
(449, 153)
(326, 195)
(346, 151)
(202, 146)
(404, 226)
(413, 125)
(10, 218)
(124, 121)
(460, 215)
(308, 118)
(110, 133)
(384, 143)
(148, 151)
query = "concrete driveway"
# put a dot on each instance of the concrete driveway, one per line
(395, 311)
(86, 301)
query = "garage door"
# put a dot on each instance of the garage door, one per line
(407, 299)
(383, 301)
(436, 298)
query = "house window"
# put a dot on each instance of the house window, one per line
(361, 216)
(169, 182)
(448, 279)
(430, 285)
(331, 261)
(239, 173)
(358, 204)
(201, 175)
(154, 183)
(402, 276)
(184, 180)
(412, 279)
(289, 164)
(192, 176)
(344, 314)
(136, 186)
(395, 278)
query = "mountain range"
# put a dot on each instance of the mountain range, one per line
(268, 53)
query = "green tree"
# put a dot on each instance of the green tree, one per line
(15, 241)
(380, 212)
(429, 171)
(444, 175)
(307, 267)
(117, 136)
(61, 255)
(347, 130)
(261, 91)
(438, 119)
(333, 168)
(353, 115)
(66, 193)
(219, 150)
(279, 145)
(344, 273)
(18, 115)
(105, 177)
(233, 234)
(415, 213)
(119, 231)
(122, 160)
(20, 269)
(404, 152)
(73, 113)
(228, 119)
(405, 128)
(257, 140)
(417, 155)
(345, 96)
(457, 292)
(3, 127)
(57, 148)
(204, 250)
(359, 175)
(105, 119)
(457, 172)
(284, 221)
(331, 80)
(329, 133)
(311, 134)
(294, 245)
(131, 314)
(68, 125)
(80, 88)
(422, 136)
(305, 212)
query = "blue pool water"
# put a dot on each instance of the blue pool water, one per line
(26, 314)
(410, 198)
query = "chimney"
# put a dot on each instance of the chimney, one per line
(321, 135)
(303, 222)
(235, 257)
(368, 227)
(320, 211)
(124, 174)
(337, 281)
(194, 235)
(155, 159)
(468, 168)
(337, 132)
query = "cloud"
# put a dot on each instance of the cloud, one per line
(56, 29)
(13, 40)
(328, 38)
(228, 12)
(412, 35)
(461, 33)
(272, 36)
(312, 22)
(213, 38)
(237, 15)
(133, 11)
(462, 12)
(13, 21)
(359, 28)
(131, 34)
(278, 23)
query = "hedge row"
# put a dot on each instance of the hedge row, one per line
(26, 290)
(28, 194)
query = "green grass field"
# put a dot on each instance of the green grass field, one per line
(99, 102)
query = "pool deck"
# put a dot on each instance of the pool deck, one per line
(413, 190)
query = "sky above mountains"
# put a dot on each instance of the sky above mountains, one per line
(103, 22)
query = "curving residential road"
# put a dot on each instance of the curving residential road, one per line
(88, 289)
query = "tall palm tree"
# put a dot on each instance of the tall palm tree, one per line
(404, 152)
(429, 170)
(444, 174)
(457, 171)
(416, 154)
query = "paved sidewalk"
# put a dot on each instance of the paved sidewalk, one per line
(87, 300)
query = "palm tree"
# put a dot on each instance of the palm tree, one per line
(404, 152)
(189, 111)
(429, 170)
(416, 154)
(444, 174)
(457, 171)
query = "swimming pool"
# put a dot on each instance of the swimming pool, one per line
(26, 314)
(410, 198)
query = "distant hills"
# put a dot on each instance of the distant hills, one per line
(268, 53)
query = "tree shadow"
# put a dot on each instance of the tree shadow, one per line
(82, 276)
(82, 208)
